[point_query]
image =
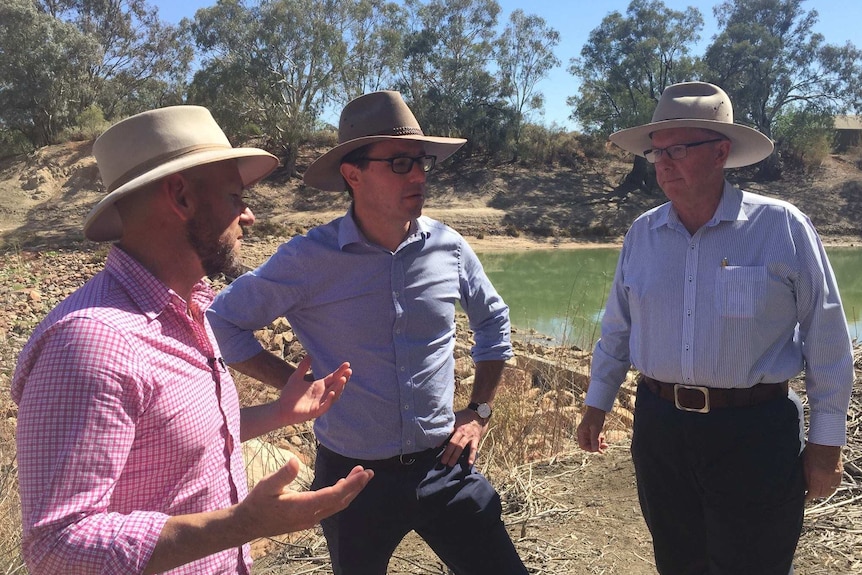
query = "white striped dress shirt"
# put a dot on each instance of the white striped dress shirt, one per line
(749, 298)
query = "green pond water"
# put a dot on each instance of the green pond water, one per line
(557, 296)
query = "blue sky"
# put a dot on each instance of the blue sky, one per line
(839, 21)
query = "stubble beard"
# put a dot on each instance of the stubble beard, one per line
(217, 252)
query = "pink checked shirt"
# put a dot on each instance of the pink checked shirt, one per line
(126, 416)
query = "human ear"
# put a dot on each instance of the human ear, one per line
(176, 190)
(350, 173)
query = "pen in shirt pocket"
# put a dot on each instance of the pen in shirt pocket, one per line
(724, 262)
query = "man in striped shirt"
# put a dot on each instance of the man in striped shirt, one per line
(720, 296)
(129, 425)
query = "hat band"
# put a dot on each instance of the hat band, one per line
(157, 161)
(400, 131)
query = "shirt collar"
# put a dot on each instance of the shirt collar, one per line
(349, 232)
(729, 210)
(148, 292)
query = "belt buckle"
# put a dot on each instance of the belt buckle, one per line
(704, 390)
(405, 459)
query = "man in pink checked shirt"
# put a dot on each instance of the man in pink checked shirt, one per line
(129, 426)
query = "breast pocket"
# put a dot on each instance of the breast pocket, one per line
(739, 289)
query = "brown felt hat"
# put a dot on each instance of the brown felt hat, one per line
(371, 118)
(152, 145)
(698, 105)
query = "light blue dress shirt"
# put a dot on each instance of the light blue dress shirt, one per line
(749, 298)
(391, 315)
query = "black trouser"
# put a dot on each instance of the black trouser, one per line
(455, 510)
(721, 492)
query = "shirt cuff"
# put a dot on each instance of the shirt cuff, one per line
(828, 429)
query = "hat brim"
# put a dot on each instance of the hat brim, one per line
(748, 146)
(103, 222)
(325, 172)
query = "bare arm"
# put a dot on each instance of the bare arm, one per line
(268, 368)
(469, 427)
(270, 509)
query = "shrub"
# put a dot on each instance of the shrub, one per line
(88, 125)
(804, 138)
(13, 143)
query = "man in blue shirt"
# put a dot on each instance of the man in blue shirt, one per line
(377, 287)
(720, 296)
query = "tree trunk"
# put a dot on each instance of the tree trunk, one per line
(638, 178)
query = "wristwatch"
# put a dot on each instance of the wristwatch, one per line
(483, 409)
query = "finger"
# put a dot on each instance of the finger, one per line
(304, 365)
(603, 445)
(451, 454)
(279, 480)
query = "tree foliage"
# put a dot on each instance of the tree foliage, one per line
(629, 60)
(44, 64)
(626, 64)
(445, 74)
(375, 48)
(525, 55)
(769, 59)
(60, 57)
(271, 68)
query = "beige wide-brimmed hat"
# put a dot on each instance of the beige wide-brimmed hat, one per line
(698, 105)
(368, 119)
(149, 146)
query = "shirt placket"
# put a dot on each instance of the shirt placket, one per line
(402, 357)
(217, 370)
(689, 309)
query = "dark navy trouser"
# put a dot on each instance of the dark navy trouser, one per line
(455, 510)
(721, 492)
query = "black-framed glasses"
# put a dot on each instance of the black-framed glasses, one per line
(404, 164)
(675, 152)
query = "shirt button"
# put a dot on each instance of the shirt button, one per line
(398, 330)
(403, 368)
(409, 442)
(688, 312)
(406, 407)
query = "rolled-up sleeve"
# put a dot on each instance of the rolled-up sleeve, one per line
(486, 310)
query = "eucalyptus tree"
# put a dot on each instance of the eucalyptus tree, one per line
(375, 48)
(270, 68)
(771, 62)
(625, 65)
(59, 57)
(43, 72)
(525, 55)
(448, 48)
(145, 61)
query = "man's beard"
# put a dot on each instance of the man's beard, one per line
(216, 251)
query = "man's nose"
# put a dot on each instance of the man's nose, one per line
(246, 218)
(417, 173)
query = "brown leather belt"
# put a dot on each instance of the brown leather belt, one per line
(702, 399)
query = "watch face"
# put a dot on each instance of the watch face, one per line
(484, 410)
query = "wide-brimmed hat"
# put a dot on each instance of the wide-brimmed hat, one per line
(698, 105)
(149, 146)
(371, 118)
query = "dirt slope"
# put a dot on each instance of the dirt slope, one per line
(45, 196)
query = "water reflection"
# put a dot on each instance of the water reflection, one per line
(561, 293)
